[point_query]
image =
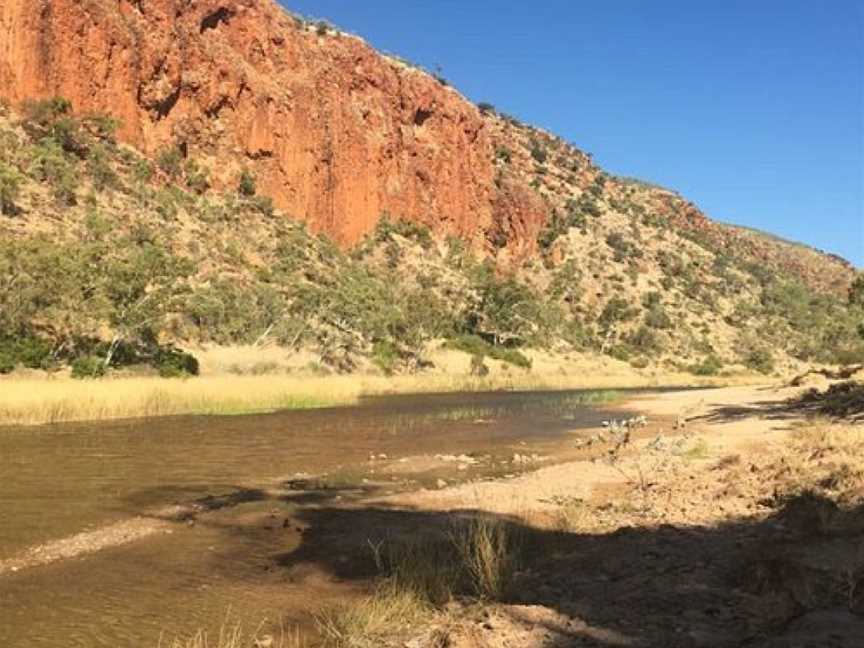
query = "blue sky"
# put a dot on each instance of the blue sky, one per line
(754, 110)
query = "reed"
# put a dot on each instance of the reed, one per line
(41, 400)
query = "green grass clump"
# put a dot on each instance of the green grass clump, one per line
(88, 367)
(478, 347)
(709, 366)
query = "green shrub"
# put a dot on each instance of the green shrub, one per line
(616, 310)
(173, 363)
(656, 317)
(759, 359)
(538, 152)
(7, 362)
(170, 160)
(386, 356)
(50, 164)
(646, 341)
(247, 186)
(197, 177)
(856, 292)
(99, 167)
(478, 347)
(417, 232)
(709, 366)
(88, 367)
(486, 108)
(10, 187)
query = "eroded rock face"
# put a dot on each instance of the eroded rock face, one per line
(336, 133)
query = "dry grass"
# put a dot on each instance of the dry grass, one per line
(419, 576)
(490, 554)
(39, 400)
(233, 635)
(364, 623)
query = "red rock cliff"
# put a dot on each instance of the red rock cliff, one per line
(336, 133)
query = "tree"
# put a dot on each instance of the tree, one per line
(140, 288)
(10, 186)
(856, 291)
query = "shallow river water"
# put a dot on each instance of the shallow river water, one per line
(60, 480)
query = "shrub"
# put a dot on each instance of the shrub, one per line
(478, 366)
(99, 167)
(170, 160)
(386, 356)
(709, 366)
(856, 291)
(646, 340)
(616, 310)
(417, 232)
(486, 108)
(173, 363)
(10, 186)
(197, 177)
(656, 317)
(759, 359)
(504, 154)
(479, 348)
(50, 164)
(88, 367)
(538, 152)
(247, 185)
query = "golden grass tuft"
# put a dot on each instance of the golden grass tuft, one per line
(490, 553)
(55, 399)
(233, 635)
(480, 556)
(364, 623)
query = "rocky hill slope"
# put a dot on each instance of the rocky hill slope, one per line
(158, 203)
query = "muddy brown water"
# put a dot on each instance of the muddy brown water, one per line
(60, 480)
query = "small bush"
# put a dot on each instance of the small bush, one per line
(709, 366)
(478, 366)
(247, 186)
(386, 356)
(657, 318)
(486, 108)
(538, 152)
(88, 367)
(170, 160)
(10, 187)
(7, 362)
(478, 347)
(760, 360)
(173, 363)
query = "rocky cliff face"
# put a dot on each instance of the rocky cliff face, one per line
(336, 133)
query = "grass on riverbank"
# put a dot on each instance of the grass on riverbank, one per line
(235, 636)
(478, 557)
(34, 401)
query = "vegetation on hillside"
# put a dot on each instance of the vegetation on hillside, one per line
(109, 258)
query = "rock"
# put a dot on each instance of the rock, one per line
(220, 79)
(441, 483)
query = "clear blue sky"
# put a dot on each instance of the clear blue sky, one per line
(752, 109)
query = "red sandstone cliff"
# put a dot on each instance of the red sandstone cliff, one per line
(336, 133)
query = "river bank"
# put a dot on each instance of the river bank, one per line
(228, 388)
(726, 516)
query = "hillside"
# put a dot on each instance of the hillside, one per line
(226, 173)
